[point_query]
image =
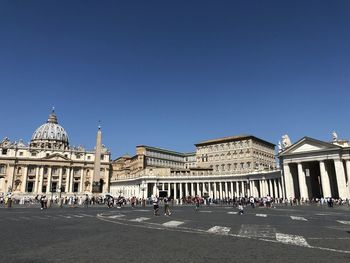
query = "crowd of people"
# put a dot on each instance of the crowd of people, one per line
(45, 201)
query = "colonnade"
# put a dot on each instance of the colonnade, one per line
(215, 189)
(315, 179)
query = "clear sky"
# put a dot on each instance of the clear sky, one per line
(173, 73)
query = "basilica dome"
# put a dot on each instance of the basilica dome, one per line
(50, 135)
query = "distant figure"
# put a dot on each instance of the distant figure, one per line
(286, 141)
(241, 209)
(167, 211)
(335, 136)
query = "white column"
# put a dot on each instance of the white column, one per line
(186, 189)
(154, 192)
(341, 182)
(24, 181)
(261, 188)
(49, 179)
(243, 190)
(231, 193)
(220, 187)
(271, 188)
(209, 190)
(41, 180)
(275, 188)
(36, 186)
(175, 192)
(197, 186)
(326, 187)
(237, 189)
(192, 190)
(288, 180)
(226, 190)
(215, 195)
(81, 186)
(169, 192)
(280, 189)
(180, 190)
(60, 179)
(302, 182)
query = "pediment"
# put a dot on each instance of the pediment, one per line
(306, 145)
(56, 157)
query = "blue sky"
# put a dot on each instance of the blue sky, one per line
(174, 73)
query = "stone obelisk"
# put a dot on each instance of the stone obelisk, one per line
(97, 164)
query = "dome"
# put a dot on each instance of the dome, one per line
(50, 134)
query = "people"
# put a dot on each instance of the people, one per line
(252, 201)
(155, 202)
(167, 211)
(86, 201)
(197, 202)
(240, 208)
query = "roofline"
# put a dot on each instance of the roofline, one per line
(233, 138)
(162, 150)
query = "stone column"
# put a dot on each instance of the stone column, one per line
(341, 181)
(288, 180)
(326, 187)
(243, 189)
(192, 189)
(49, 179)
(220, 193)
(215, 195)
(60, 178)
(261, 188)
(40, 190)
(271, 188)
(209, 190)
(232, 193)
(197, 186)
(169, 189)
(175, 192)
(237, 189)
(186, 189)
(81, 188)
(24, 181)
(36, 186)
(180, 191)
(302, 182)
(226, 190)
(71, 180)
(154, 192)
(279, 182)
(275, 188)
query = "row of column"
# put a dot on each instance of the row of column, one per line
(219, 190)
(343, 190)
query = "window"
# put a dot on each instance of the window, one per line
(2, 169)
(20, 153)
(4, 151)
(33, 154)
(89, 157)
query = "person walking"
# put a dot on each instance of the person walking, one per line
(240, 208)
(167, 211)
(197, 202)
(155, 202)
(86, 201)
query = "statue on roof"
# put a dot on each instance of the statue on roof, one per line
(335, 136)
(286, 141)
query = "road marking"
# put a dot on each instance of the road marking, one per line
(343, 222)
(173, 223)
(65, 216)
(232, 213)
(292, 240)
(222, 230)
(206, 211)
(115, 216)
(13, 219)
(26, 218)
(298, 218)
(78, 216)
(140, 219)
(87, 215)
(257, 231)
(141, 210)
(261, 215)
(38, 217)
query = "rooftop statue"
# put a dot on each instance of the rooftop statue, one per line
(286, 141)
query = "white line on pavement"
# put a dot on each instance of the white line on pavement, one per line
(298, 218)
(78, 216)
(140, 219)
(87, 215)
(173, 223)
(65, 216)
(261, 215)
(343, 222)
(206, 211)
(292, 239)
(232, 213)
(222, 230)
(115, 216)
(257, 231)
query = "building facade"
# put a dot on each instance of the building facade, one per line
(316, 169)
(49, 164)
(227, 167)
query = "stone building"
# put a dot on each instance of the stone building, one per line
(49, 164)
(221, 168)
(315, 169)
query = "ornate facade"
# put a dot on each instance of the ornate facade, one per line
(221, 168)
(315, 169)
(49, 164)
